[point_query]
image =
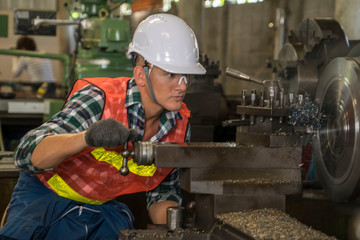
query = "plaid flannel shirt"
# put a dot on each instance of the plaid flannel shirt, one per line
(83, 109)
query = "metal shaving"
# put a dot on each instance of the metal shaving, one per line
(271, 224)
(305, 114)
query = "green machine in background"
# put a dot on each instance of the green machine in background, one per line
(103, 40)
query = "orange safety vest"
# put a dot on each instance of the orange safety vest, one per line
(92, 176)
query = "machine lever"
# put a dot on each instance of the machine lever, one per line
(235, 122)
(239, 75)
(125, 153)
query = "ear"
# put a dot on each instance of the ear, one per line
(139, 76)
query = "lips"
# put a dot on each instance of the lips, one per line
(178, 98)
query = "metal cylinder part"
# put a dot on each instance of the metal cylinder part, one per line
(143, 153)
(174, 218)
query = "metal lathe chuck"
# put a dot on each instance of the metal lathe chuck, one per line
(336, 148)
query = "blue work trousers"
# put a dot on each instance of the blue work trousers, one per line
(36, 212)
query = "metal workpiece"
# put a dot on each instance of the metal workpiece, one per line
(336, 146)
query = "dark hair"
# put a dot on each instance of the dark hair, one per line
(27, 43)
(133, 58)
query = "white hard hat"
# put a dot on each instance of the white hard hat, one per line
(167, 42)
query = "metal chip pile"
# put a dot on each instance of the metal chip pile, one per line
(305, 114)
(271, 224)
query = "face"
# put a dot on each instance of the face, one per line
(169, 88)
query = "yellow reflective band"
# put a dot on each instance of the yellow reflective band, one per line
(64, 190)
(141, 170)
(115, 159)
(111, 157)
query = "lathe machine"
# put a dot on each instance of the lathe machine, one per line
(311, 99)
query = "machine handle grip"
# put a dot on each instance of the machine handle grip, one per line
(125, 153)
(239, 75)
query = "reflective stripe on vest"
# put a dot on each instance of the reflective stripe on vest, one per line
(111, 157)
(64, 190)
(115, 159)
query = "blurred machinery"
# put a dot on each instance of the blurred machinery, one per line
(101, 38)
(320, 62)
(205, 116)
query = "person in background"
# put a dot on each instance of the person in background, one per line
(70, 166)
(39, 69)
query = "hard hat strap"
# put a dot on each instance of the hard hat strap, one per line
(147, 73)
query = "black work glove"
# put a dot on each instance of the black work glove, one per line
(109, 133)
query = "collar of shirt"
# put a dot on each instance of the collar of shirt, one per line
(136, 114)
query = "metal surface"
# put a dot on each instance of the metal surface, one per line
(221, 155)
(174, 218)
(336, 147)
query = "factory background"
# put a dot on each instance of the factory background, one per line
(241, 36)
